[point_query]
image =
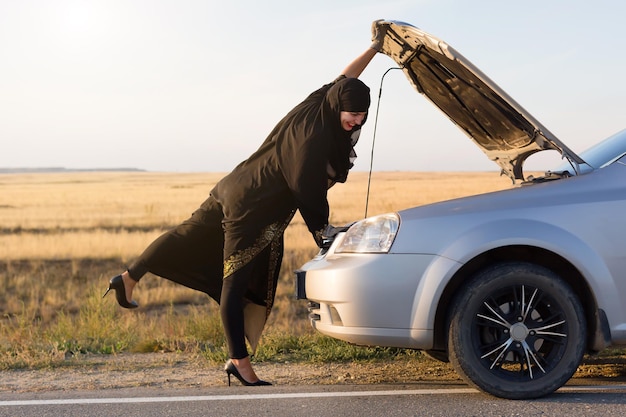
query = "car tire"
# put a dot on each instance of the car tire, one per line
(517, 331)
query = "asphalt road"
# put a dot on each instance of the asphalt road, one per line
(379, 400)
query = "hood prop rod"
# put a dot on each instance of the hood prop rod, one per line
(369, 176)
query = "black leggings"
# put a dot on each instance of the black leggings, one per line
(231, 310)
(254, 282)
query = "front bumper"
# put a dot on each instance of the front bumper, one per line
(370, 299)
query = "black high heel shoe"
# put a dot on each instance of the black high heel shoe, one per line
(117, 284)
(231, 369)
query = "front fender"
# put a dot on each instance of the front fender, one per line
(498, 234)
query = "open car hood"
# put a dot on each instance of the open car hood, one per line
(500, 127)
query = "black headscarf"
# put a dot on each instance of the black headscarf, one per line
(351, 95)
(354, 95)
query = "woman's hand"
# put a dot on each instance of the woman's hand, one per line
(378, 34)
(325, 237)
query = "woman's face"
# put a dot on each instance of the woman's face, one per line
(350, 119)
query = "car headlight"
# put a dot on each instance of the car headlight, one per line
(371, 235)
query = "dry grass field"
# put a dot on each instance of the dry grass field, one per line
(115, 215)
(63, 235)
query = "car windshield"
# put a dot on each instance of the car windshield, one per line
(599, 155)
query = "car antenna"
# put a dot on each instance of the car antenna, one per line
(369, 176)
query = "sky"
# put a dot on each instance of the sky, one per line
(196, 85)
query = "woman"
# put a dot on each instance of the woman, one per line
(231, 247)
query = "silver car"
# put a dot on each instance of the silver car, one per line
(512, 287)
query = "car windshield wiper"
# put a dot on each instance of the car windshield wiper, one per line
(575, 165)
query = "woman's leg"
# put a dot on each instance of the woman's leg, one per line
(234, 288)
(231, 310)
(252, 258)
(190, 254)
